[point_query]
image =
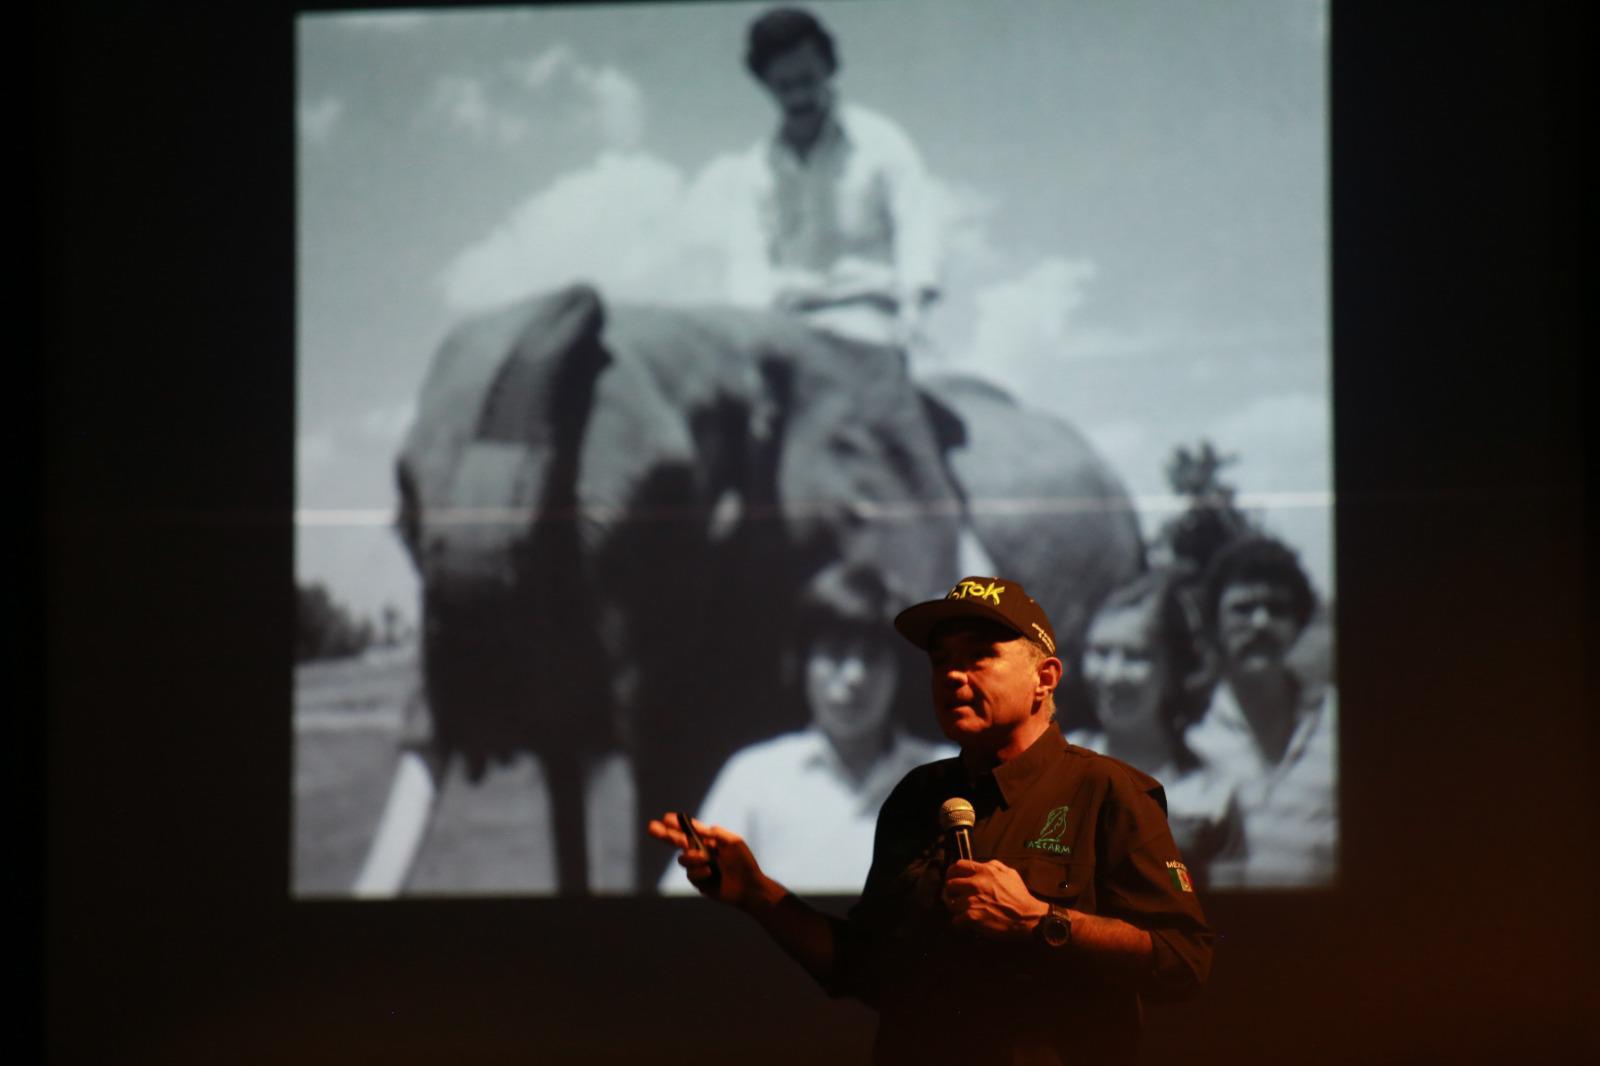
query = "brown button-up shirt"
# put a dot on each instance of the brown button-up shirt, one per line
(1084, 831)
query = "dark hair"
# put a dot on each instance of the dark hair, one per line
(843, 595)
(781, 30)
(855, 600)
(1258, 559)
(1170, 626)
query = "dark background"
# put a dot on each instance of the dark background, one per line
(152, 737)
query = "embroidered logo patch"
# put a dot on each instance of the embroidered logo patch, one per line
(1050, 834)
(1180, 876)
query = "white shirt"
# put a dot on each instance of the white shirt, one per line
(1289, 807)
(1200, 801)
(846, 235)
(808, 823)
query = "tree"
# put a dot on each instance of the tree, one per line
(1211, 520)
(324, 629)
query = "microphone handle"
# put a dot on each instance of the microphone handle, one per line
(963, 843)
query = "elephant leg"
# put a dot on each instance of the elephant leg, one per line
(565, 777)
(594, 815)
(400, 829)
(611, 822)
(488, 833)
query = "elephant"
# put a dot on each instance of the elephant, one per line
(610, 508)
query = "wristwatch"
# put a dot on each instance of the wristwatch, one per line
(1055, 928)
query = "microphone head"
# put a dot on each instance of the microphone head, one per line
(956, 813)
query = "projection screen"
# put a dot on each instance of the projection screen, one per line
(624, 427)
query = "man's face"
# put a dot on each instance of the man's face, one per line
(800, 81)
(985, 682)
(1255, 626)
(1121, 667)
(850, 681)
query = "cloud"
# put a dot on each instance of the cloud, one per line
(1024, 323)
(396, 22)
(314, 452)
(646, 230)
(603, 97)
(553, 85)
(386, 425)
(317, 119)
(466, 102)
(964, 213)
(1282, 442)
(541, 71)
(629, 222)
(349, 463)
(1138, 455)
(617, 105)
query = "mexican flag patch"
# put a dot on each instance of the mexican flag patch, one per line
(1180, 876)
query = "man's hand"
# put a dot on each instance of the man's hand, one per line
(735, 878)
(804, 933)
(991, 899)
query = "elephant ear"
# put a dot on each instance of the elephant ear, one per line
(552, 364)
(496, 434)
(1046, 506)
(487, 467)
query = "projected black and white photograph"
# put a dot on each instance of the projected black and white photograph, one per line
(652, 357)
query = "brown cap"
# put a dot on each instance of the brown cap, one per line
(994, 599)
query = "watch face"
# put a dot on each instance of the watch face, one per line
(1055, 930)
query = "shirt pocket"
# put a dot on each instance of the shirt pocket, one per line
(1067, 882)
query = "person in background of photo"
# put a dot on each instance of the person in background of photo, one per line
(808, 801)
(1140, 668)
(1272, 728)
(846, 233)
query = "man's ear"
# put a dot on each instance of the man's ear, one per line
(1051, 671)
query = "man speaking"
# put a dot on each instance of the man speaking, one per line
(1074, 905)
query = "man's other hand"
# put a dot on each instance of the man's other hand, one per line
(723, 870)
(991, 900)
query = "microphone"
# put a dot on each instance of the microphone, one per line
(957, 817)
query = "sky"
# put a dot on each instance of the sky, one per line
(1135, 199)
